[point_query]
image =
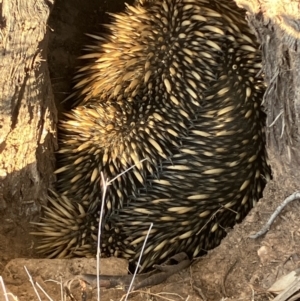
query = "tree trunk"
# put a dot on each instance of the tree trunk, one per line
(277, 26)
(27, 110)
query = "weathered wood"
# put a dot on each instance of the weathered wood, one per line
(278, 28)
(27, 110)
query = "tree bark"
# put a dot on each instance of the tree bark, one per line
(277, 25)
(27, 110)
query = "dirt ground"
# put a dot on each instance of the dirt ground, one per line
(239, 269)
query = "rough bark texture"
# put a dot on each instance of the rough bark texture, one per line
(27, 111)
(27, 122)
(277, 25)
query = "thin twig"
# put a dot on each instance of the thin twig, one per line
(99, 233)
(226, 276)
(105, 184)
(37, 284)
(280, 113)
(139, 260)
(125, 171)
(266, 227)
(157, 295)
(3, 288)
(210, 219)
(62, 295)
(32, 283)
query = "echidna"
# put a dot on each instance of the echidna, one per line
(175, 83)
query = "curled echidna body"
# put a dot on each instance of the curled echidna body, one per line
(175, 83)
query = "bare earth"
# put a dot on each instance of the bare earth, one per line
(239, 269)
